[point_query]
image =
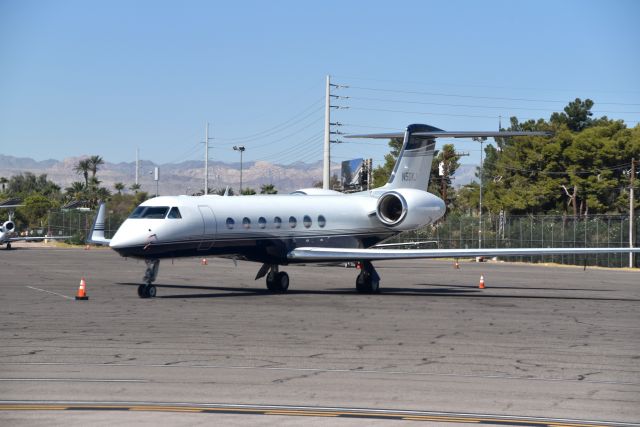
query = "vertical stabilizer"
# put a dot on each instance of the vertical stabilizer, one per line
(413, 166)
(96, 234)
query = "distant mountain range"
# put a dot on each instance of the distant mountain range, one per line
(188, 177)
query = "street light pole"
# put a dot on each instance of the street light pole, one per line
(481, 140)
(241, 149)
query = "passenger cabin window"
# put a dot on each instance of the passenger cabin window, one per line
(230, 223)
(306, 221)
(174, 213)
(292, 222)
(246, 222)
(322, 221)
(277, 222)
(150, 212)
(262, 222)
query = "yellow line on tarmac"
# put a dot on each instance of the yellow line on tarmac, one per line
(390, 415)
(442, 419)
(302, 413)
(161, 409)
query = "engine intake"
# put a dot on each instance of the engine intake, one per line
(8, 226)
(392, 208)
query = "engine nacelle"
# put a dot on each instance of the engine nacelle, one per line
(392, 208)
(8, 226)
(407, 208)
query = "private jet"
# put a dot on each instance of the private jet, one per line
(307, 226)
(7, 231)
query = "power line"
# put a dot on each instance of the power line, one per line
(424, 112)
(278, 128)
(476, 106)
(486, 86)
(501, 98)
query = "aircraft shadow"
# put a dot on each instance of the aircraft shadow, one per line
(469, 292)
(519, 287)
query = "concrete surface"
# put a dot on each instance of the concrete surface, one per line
(538, 341)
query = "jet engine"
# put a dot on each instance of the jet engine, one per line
(8, 226)
(408, 208)
(392, 208)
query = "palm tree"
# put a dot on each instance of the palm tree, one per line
(94, 182)
(94, 163)
(83, 167)
(76, 191)
(119, 187)
(268, 189)
(135, 188)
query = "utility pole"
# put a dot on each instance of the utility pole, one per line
(632, 178)
(326, 161)
(206, 159)
(137, 164)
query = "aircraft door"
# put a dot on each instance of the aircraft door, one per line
(208, 228)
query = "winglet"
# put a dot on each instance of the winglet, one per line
(96, 233)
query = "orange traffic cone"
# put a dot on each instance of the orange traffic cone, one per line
(456, 265)
(204, 262)
(481, 284)
(82, 291)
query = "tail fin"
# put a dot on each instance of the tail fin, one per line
(96, 233)
(413, 166)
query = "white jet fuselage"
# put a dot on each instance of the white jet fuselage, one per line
(265, 228)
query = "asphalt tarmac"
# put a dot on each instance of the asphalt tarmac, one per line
(555, 345)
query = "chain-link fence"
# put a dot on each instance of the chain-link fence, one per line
(541, 231)
(77, 223)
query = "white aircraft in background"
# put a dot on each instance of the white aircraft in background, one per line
(307, 226)
(7, 230)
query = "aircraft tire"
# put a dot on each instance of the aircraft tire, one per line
(150, 292)
(282, 280)
(141, 291)
(271, 282)
(366, 285)
(8, 245)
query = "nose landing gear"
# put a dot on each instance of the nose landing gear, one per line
(148, 290)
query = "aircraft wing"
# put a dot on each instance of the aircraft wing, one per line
(342, 254)
(20, 239)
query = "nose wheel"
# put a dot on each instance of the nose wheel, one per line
(148, 290)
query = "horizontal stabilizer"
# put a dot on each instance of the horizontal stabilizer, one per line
(342, 254)
(452, 134)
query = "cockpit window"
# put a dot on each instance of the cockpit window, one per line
(174, 213)
(150, 212)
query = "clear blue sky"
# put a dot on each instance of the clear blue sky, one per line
(105, 77)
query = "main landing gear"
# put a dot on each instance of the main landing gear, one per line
(8, 245)
(148, 290)
(277, 281)
(368, 281)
